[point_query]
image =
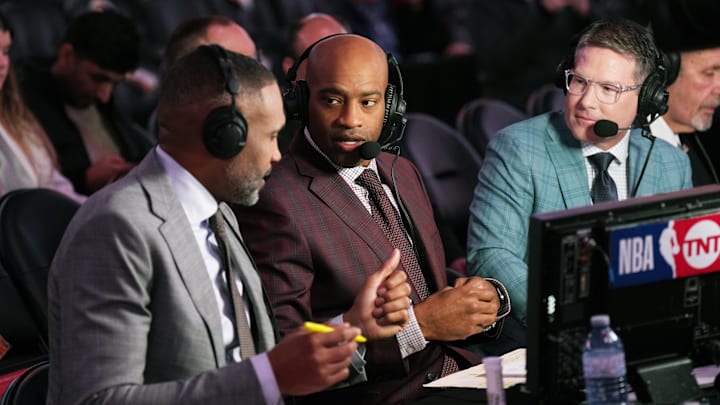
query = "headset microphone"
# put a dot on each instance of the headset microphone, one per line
(607, 128)
(369, 150)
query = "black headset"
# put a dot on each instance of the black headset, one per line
(653, 94)
(296, 95)
(225, 128)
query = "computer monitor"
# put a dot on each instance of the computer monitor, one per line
(651, 263)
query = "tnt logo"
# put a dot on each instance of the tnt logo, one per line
(701, 246)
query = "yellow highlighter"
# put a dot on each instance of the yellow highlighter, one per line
(322, 328)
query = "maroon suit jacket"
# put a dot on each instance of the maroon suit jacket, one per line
(315, 244)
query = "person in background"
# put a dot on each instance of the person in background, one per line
(214, 29)
(95, 142)
(147, 293)
(322, 226)
(559, 160)
(694, 96)
(306, 31)
(27, 157)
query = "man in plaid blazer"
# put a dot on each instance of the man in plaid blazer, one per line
(315, 241)
(542, 164)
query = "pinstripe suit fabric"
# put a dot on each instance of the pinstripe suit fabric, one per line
(315, 244)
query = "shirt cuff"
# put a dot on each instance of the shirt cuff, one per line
(493, 330)
(411, 339)
(266, 377)
(503, 296)
(358, 359)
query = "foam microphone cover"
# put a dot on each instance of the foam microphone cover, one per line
(369, 150)
(605, 128)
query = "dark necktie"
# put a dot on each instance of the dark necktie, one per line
(385, 214)
(244, 334)
(603, 186)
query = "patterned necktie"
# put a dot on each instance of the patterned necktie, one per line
(603, 187)
(385, 214)
(244, 334)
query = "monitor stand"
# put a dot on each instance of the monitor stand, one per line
(664, 381)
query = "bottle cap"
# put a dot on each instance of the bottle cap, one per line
(492, 363)
(600, 320)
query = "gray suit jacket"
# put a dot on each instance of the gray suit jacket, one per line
(133, 317)
(537, 166)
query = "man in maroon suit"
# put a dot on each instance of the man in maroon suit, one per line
(319, 230)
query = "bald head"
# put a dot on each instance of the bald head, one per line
(343, 55)
(231, 37)
(307, 31)
(218, 30)
(314, 27)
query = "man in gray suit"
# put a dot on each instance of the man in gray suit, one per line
(546, 163)
(139, 307)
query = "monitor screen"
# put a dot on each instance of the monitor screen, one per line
(651, 263)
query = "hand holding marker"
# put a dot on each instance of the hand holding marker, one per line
(322, 328)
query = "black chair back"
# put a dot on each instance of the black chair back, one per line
(480, 119)
(30, 388)
(32, 223)
(448, 165)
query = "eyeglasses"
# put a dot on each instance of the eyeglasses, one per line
(606, 93)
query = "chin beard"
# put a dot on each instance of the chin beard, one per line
(246, 197)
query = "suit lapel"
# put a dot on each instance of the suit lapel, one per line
(332, 190)
(183, 248)
(566, 158)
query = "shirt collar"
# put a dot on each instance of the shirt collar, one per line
(347, 173)
(195, 199)
(662, 130)
(619, 151)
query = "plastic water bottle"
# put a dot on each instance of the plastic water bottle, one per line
(603, 362)
(493, 371)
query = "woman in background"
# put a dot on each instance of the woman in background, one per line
(27, 157)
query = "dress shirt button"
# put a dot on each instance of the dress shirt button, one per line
(430, 376)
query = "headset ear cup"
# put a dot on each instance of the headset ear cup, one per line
(671, 62)
(390, 101)
(394, 119)
(224, 132)
(653, 94)
(565, 64)
(295, 100)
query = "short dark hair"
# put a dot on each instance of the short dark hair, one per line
(626, 37)
(197, 78)
(106, 38)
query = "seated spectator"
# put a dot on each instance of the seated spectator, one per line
(27, 158)
(213, 29)
(306, 31)
(95, 142)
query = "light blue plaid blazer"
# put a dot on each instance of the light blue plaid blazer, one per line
(537, 166)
